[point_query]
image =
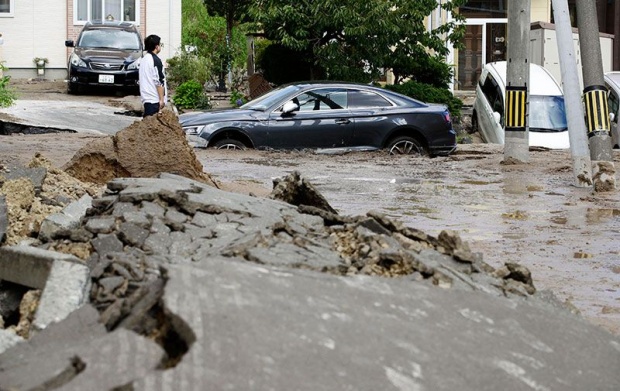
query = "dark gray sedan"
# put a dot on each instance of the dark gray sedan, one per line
(327, 116)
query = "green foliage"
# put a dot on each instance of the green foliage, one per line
(206, 35)
(430, 94)
(238, 98)
(7, 95)
(191, 95)
(357, 40)
(188, 66)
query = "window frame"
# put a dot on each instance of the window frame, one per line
(89, 11)
(11, 12)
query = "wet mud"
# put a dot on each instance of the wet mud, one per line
(530, 213)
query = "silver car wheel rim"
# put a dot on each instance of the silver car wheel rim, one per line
(404, 148)
(229, 146)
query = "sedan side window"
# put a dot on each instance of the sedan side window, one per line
(322, 99)
(363, 99)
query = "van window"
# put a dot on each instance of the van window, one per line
(614, 102)
(493, 94)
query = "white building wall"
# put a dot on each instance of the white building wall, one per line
(163, 18)
(36, 29)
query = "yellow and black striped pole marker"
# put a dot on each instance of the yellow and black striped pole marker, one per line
(597, 110)
(516, 108)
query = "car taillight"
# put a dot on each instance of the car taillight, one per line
(446, 116)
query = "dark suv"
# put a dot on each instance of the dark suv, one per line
(106, 54)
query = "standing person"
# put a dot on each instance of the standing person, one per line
(153, 88)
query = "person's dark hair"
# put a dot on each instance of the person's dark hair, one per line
(151, 42)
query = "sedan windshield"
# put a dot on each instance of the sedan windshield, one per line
(547, 113)
(271, 98)
(109, 39)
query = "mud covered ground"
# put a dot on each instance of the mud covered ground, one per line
(528, 213)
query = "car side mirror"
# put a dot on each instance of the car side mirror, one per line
(69, 43)
(497, 117)
(289, 107)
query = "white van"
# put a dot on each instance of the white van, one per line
(612, 82)
(546, 112)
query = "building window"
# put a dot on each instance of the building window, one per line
(6, 8)
(484, 9)
(119, 10)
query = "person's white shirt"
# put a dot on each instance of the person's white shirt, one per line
(151, 74)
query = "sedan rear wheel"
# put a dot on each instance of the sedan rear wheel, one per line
(406, 146)
(229, 143)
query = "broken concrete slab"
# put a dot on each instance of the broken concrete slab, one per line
(68, 218)
(295, 190)
(8, 339)
(64, 279)
(79, 354)
(261, 327)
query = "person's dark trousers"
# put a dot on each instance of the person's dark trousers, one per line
(150, 109)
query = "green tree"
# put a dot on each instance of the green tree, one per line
(204, 43)
(233, 11)
(357, 40)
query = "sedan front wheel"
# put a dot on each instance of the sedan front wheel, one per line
(406, 146)
(229, 144)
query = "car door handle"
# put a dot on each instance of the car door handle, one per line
(343, 121)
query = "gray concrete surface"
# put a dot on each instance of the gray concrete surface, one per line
(266, 297)
(63, 279)
(80, 116)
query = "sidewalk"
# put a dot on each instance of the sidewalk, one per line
(81, 116)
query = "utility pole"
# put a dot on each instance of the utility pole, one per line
(595, 97)
(516, 140)
(582, 169)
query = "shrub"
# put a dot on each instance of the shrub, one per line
(188, 66)
(237, 98)
(431, 94)
(7, 95)
(191, 95)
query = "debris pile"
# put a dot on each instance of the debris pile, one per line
(142, 150)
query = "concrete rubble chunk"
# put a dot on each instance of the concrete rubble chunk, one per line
(108, 360)
(296, 190)
(68, 218)
(65, 281)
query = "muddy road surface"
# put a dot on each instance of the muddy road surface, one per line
(526, 213)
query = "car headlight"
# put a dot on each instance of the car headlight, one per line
(76, 61)
(193, 130)
(134, 65)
